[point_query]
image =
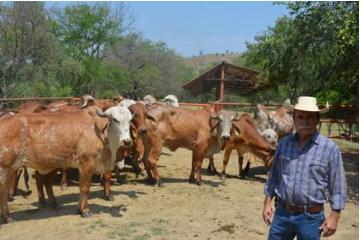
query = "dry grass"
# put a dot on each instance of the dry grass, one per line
(179, 210)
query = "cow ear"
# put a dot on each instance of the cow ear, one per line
(214, 122)
(236, 130)
(151, 119)
(133, 131)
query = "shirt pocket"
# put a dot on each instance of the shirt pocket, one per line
(318, 169)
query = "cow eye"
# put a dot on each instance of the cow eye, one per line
(117, 121)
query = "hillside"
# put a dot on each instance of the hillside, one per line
(199, 62)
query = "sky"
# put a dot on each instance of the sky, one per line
(207, 27)
(191, 27)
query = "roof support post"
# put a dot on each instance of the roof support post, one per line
(220, 89)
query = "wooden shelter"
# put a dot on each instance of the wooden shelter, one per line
(225, 78)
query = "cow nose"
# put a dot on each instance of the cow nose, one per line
(226, 137)
(143, 130)
(127, 142)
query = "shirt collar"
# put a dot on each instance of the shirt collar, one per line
(314, 138)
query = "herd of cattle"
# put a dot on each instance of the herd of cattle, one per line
(95, 136)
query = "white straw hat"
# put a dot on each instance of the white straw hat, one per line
(309, 104)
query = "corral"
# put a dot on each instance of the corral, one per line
(178, 210)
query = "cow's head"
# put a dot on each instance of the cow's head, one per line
(221, 123)
(283, 121)
(270, 136)
(139, 111)
(119, 124)
(171, 100)
(245, 133)
(149, 100)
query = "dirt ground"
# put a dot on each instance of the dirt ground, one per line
(178, 210)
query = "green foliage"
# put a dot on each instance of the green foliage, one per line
(88, 49)
(313, 52)
(86, 30)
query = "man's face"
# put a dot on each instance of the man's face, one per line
(305, 123)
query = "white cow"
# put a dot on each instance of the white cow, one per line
(171, 100)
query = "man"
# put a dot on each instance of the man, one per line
(305, 165)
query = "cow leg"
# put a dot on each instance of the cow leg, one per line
(152, 164)
(148, 170)
(48, 181)
(64, 179)
(85, 173)
(13, 185)
(26, 182)
(193, 165)
(154, 170)
(240, 162)
(39, 179)
(6, 175)
(199, 161)
(246, 169)
(211, 167)
(148, 153)
(136, 164)
(107, 181)
(195, 174)
(225, 162)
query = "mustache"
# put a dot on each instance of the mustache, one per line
(303, 127)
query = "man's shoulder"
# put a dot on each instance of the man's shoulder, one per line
(323, 140)
(286, 139)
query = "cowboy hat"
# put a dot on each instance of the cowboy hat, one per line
(307, 104)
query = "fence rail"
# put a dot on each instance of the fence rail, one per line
(344, 125)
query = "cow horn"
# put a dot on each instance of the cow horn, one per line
(237, 117)
(287, 105)
(101, 114)
(86, 99)
(214, 115)
(167, 100)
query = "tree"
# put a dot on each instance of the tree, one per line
(314, 52)
(26, 46)
(150, 68)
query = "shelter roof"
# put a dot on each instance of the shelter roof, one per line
(238, 80)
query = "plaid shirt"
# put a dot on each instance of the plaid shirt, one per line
(302, 176)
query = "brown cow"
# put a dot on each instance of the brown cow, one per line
(66, 139)
(178, 128)
(138, 128)
(245, 138)
(26, 107)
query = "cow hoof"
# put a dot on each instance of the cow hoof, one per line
(27, 193)
(199, 183)
(212, 171)
(86, 214)
(109, 198)
(159, 183)
(151, 181)
(43, 203)
(55, 206)
(9, 220)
